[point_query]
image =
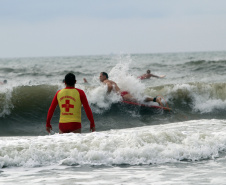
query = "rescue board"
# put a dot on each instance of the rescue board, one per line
(148, 106)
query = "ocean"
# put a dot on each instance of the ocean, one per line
(131, 145)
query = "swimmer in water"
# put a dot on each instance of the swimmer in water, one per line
(125, 94)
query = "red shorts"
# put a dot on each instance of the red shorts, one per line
(123, 93)
(69, 127)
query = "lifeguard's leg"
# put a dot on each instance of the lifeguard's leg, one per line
(60, 132)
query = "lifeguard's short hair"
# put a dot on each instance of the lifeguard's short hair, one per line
(70, 79)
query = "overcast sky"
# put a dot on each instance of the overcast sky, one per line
(90, 27)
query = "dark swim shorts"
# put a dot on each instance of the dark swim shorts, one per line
(154, 100)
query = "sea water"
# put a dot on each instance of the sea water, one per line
(131, 145)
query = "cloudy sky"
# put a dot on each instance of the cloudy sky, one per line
(90, 27)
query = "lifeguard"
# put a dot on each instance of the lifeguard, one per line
(70, 101)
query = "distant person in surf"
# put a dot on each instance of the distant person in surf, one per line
(148, 75)
(70, 100)
(125, 94)
(4, 82)
(84, 80)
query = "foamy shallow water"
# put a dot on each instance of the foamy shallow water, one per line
(190, 152)
(191, 140)
(202, 172)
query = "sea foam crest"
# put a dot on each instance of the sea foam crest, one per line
(126, 82)
(98, 97)
(191, 140)
(205, 97)
(201, 97)
(6, 104)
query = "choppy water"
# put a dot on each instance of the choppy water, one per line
(132, 145)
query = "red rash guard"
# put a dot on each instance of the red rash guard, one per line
(70, 100)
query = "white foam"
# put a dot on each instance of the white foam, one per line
(100, 100)
(209, 105)
(205, 97)
(191, 140)
(6, 103)
(126, 82)
(98, 96)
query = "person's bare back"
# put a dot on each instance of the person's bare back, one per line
(112, 86)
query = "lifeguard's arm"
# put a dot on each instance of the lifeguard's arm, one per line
(50, 112)
(87, 108)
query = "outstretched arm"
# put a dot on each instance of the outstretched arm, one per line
(162, 76)
(155, 76)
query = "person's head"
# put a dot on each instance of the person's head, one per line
(5, 81)
(148, 71)
(103, 76)
(70, 79)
